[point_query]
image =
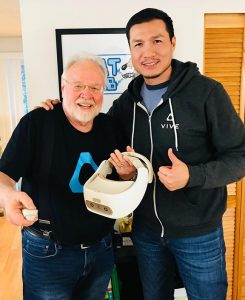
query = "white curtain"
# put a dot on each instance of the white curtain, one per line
(11, 95)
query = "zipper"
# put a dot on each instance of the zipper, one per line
(151, 157)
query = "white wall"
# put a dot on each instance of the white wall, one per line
(40, 18)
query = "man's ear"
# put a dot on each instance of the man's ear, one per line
(62, 88)
(173, 42)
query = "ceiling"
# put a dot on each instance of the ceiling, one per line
(10, 25)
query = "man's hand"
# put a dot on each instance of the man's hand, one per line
(48, 104)
(13, 208)
(176, 176)
(123, 165)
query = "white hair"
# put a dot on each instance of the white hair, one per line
(85, 56)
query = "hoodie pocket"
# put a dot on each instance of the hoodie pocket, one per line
(181, 208)
(191, 196)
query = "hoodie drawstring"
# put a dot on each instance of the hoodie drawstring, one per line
(174, 125)
(132, 134)
(173, 121)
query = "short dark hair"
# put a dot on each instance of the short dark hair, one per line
(149, 14)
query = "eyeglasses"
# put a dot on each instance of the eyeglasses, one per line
(79, 87)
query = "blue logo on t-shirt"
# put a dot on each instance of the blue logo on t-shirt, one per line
(84, 158)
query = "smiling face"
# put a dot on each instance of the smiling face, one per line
(82, 92)
(152, 51)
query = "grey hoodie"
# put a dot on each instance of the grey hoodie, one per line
(197, 119)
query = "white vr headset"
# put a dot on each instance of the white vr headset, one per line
(117, 199)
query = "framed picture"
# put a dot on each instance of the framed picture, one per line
(110, 44)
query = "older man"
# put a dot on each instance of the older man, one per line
(67, 253)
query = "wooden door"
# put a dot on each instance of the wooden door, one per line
(224, 48)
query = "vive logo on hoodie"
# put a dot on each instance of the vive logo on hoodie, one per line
(170, 123)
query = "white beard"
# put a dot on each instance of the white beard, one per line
(87, 116)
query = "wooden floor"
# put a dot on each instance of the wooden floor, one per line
(10, 261)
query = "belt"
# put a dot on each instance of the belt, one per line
(49, 236)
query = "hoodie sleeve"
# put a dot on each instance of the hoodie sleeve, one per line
(113, 111)
(118, 111)
(227, 136)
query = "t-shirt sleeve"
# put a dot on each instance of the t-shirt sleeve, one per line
(17, 156)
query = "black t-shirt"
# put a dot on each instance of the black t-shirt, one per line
(75, 157)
